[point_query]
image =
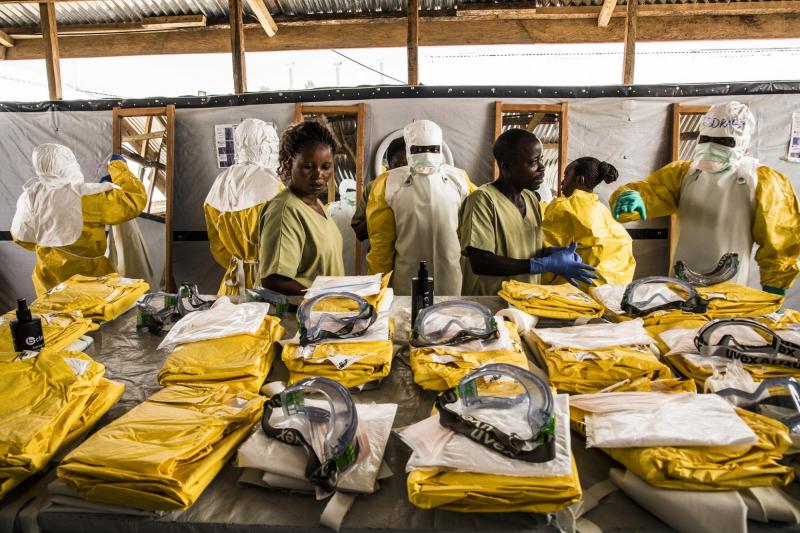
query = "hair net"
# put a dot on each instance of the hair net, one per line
(422, 133)
(56, 165)
(731, 119)
(256, 142)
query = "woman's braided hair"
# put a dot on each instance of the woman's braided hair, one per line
(298, 136)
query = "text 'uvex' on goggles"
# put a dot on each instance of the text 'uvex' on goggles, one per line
(777, 352)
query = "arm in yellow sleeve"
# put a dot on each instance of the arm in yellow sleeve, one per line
(471, 186)
(117, 205)
(27, 245)
(218, 251)
(776, 228)
(660, 191)
(382, 229)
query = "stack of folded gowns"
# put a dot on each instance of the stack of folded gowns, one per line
(164, 452)
(595, 357)
(451, 471)
(227, 344)
(97, 298)
(441, 367)
(47, 402)
(561, 302)
(355, 361)
(60, 330)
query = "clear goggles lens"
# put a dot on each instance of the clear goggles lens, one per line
(317, 324)
(656, 293)
(453, 322)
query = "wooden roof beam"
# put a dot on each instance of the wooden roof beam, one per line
(145, 25)
(47, 14)
(264, 17)
(605, 13)
(629, 59)
(6, 40)
(412, 42)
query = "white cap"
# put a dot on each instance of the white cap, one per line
(731, 119)
(256, 142)
(422, 133)
(56, 165)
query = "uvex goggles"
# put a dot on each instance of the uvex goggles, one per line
(453, 322)
(538, 448)
(655, 293)
(316, 326)
(776, 352)
(340, 448)
(777, 398)
(726, 269)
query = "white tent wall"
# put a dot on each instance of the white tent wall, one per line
(631, 133)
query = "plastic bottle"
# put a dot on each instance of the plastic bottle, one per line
(421, 291)
(26, 330)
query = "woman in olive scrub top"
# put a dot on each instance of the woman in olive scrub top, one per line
(299, 240)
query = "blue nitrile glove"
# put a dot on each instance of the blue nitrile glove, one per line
(773, 290)
(628, 202)
(565, 263)
(550, 250)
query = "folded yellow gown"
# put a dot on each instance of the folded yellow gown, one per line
(350, 363)
(563, 302)
(47, 402)
(442, 367)
(711, 468)
(341, 304)
(241, 362)
(60, 330)
(97, 298)
(164, 452)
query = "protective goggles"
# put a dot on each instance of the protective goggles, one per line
(776, 352)
(316, 326)
(156, 309)
(656, 293)
(777, 398)
(726, 269)
(340, 448)
(453, 322)
(539, 448)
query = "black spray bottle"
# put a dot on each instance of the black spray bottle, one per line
(421, 291)
(26, 330)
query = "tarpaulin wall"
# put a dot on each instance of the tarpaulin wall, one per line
(631, 131)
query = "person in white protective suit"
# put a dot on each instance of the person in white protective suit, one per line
(63, 219)
(726, 202)
(412, 214)
(234, 204)
(342, 211)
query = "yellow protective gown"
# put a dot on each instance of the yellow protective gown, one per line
(563, 302)
(241, 362)
(343, 305)
(776, 216)
(66, 249)
(490, 222)
(164, 452)
(60, 330)
(234, 203)
(46, 402)
(711, 468)
(441, 367)
(97, 298)
(602, 241)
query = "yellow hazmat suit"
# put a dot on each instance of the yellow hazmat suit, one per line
(235, 201)
(60, 330)
(46, 402)
(563, 302)
(97, 298)
(164, 452)
(602, 241)
(64, 220)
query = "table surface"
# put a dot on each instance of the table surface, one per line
(130, 357)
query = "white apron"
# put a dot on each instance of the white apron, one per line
(425, 210)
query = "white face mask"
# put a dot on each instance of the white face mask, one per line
(714, 158)
(425, 163)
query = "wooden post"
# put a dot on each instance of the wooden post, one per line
(237, 46)
(413, 42)
(605, 13)
(630, 42)
(563, 141)
(169, 281)
(360, 156)
(47, 15)
(498, 129)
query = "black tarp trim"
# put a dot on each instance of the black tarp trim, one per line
(423, 91)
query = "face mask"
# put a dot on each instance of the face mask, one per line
(425, 163)
(711, 157)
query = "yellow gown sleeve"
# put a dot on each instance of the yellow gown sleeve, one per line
(775, 229)
(660, 191)
(382, 229)
(471, 186)
(218, 251)
(117, 205)
(27, 245)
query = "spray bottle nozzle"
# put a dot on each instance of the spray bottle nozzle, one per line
(23, 312)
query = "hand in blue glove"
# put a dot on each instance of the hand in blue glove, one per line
(628, 202)
(565, 263)
(773, 290)
(550, 250)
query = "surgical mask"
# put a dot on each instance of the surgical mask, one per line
(425, 162)
(714, 158)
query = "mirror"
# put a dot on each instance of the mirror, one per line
(347, 123)
(381, 165)
(549, 123)
(143, 248)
